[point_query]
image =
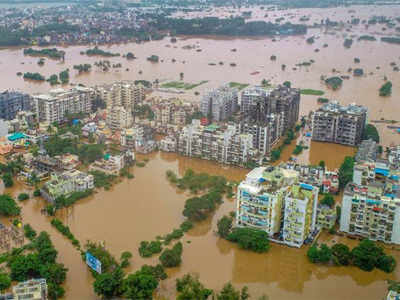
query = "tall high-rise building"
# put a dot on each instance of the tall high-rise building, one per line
(123, 93)
(220, 104)
(224, 145)
(13, 102)
(339, 124)
(55, 105)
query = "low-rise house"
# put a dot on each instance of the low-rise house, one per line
(89, 128)
(110, 164)
(66, 183)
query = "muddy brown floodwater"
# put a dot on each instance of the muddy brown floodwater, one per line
(252, 55)
(147, 206)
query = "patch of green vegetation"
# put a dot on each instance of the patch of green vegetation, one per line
(51, 53)
(334, 82)
(65, 231)
(147, 249)
(311, 92)
(386, 89)
(23, 196)
(102, 179)
(238, 85)
(322, 100)
(182, 85)
(99, 52)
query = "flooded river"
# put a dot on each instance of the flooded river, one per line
(134, 210)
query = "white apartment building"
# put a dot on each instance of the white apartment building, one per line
(118, 118)
(273, 200)
(53, 106)
(371, 203)
(212, 142)
(124, 93)
(220, 103)
(66, 183)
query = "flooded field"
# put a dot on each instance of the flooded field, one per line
(134, 210)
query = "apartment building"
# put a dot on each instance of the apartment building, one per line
(339, 124)
(55, 105)
(220, 104)
(119, 118)
(394, 157)
(66, 183)
(172, 111)
(254, 102)
(123, 93)
(371, 203)
(265, 134)
(33, 289)
(285, 101)
(169, 144)
(273, 200)
(212, 142)
(13, 102)
(300, 213)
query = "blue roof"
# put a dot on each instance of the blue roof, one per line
(308, 134)
(382, 171)
(16, 136)
(261, 180)
(306, 186)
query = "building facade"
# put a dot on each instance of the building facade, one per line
(13, 102)
(123, 93)
(55, 105)
(273, 200)
(224, 145)
(66, 183)
(33, 289)
(339, 124)
(119, 118)
(371, 203)
(220, 104)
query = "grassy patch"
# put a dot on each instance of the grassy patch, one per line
(182, 85)
(238, 85)
(312, 92)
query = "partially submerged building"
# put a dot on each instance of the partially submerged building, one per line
(273, 200)
(339, 124)
(66, 183)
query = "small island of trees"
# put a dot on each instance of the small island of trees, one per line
(334, 82)
(386, 89)
(83, 67)
(99, 52)
(50, 53)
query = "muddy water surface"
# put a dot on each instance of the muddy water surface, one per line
(147, 206)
